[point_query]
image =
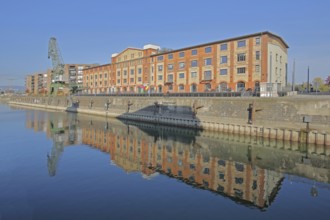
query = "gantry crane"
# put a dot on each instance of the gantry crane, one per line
(58, 78)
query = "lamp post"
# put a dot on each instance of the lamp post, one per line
(308, 80)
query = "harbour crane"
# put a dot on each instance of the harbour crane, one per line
(57, 77)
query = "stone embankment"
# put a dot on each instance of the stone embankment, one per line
(274, 118)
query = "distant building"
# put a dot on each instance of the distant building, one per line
(30, 84)
(73, 74)
(234, 64)
(36, 84)
(40, 83)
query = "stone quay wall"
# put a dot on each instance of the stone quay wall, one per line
(279, 118)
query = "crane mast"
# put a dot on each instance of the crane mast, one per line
(58, 80)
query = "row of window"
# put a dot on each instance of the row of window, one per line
(208, 61)
(132, 72)
(207, 75)
(95, 76)
(132, 56)
(223, 47)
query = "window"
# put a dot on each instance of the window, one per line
(95, 83)
(280, 59)
(160, 77)
(118, 81)
(181, 54)
(257, 55)
(223, 47)
(241, 43)
(131, 80)
(208, 75)
(160, 68)
(181, 87)
(95, 76)
(241, 70)
(239, 167)
(207, 61)
(223, 59)
(208, 49)
(181, 65)
(223, 87)
(239, 180)
(125, 72)
(194, 52)
(192, 166)
(193, 74)
(139, 79)
(125, 80)
(257, 68)
(194, 63)
(170, 78)
(139, 71)
(207, 87)
(181, 75)
(118, 73)
(193, 88)
(132, 72)
(100, 76)
(206, 170)
(170, 66)
(105, 75)
(170, 87)
(241, 57)
(254, 185)
(223, 71)
(160, 58)
(276, 57)
(257, 40)
(132, 56)
(221, 162)
(170, 56)
(86, 77)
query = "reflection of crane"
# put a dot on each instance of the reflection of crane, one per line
(58, 131)
(57, 84)
(57, 149)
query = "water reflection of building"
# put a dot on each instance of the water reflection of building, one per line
(244, 169)
(60, 127)
(52, 122)
(135, 151)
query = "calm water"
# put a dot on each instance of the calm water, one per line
(63, 166)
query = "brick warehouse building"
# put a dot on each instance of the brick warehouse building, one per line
(234, 64)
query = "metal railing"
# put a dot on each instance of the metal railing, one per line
(177, 94)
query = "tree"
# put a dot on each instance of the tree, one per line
(317, 82)
(319, 85)
(327, 81)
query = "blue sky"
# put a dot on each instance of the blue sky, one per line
(90, 31)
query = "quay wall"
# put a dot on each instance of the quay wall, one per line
(279, 118)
